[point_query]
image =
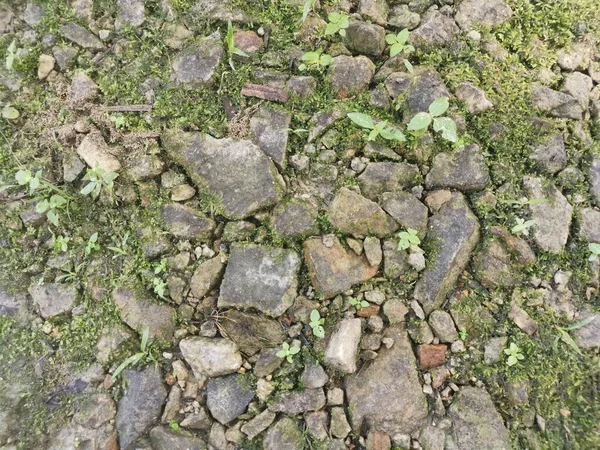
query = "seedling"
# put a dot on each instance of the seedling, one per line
(134, 359)
(60, 243)
(121, 249)
(70, 276)
(337, 24)
(12, 54)
(522, 226)
(98, 178)
(566, 337)
(358, 302)
(595, 251)
(376, 128)
(51, 207)
(9, 113)
(288, 352)
(398, 45)
(408, 238)
(159, 286)
(233, 50)
(316, 323)
(314, 60)
(92, 244)
(25, 177)
(514, 354)
(421, 121)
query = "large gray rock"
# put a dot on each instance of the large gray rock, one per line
(269, 128)
(163, 438)
(81, 37)
(375, 11)
(13, 304)
(436, 29)
(284, 435)
(552, 217)
(33, 14)
(186, 223)
(423, 88)
(229, 396)
(53, 299)
(550, 155)
(387, 394)
(380, 177)
(351, 75)
(333, 269)
(260, 277)
(216, 165)
(141, 405)
(130, 13)
(487, 13)
(252, 332)
(195, 66)
(589, 225)
(365, 38)
(210, 357)
(406, 209)
(476, 423)
(296, 402)
(455, 229)
(557, 104)
(295, 219)
(465, 170)
(342, 347)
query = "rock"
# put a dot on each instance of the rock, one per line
(594, 179)
(476, 423)
(433, 438)
(342, 348)
(589, 225)
(162, 438)
(207, 276)
(295, 219)
(198, 421)
(522, 319)
(436, 29)
(260, 277)
(579, 86)
(423, 88)
(46, 64)
(64, 56)
(552, 218)
(272, 94)
(521, 252)
(73, 167)
(84, 9)
(316, 424)
(556, 104)
(296, 402)
(551, 155)
(401, 17)
(219, 10)
(365, 38)
(284, 435)
(267, 362)
(375, 11)
(456, 230)
(379, 441)
(227, 397)
(474, 98)
(215, 163)
(431, 355)
(53, 299)
(493, 349)
(140, 406)
(81, 37)
(354, 214)
(94, 151)
(373, 252)
(195, 66)
(314, 377)
(339, 426)
(139, 313)
(184, 222)
(436, 199)
(465, 171)
(252, 332)
(210, 357)
(144, 166)
(588, 336)
(443, 326)
(110, 340)
(33, 14)
(130, 14)
(83, 90)
(216, 438)
(395, 262)
(269, 129)
(332, 269)
(494, 267)
(302, 86)
(13, 304)
(259, 424)
(406, 210)
(387, 394)
(380, 177)
(487, 13)
(247, 41)
(395, 311)
(350, 75)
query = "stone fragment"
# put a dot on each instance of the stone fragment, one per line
(351, 75)
(296, 402)
(272, 94)
(94, 151)
(589, 225)
(380, 177)
(342, 348)
(186, 223)
(138, 312)
(210, 357)
(520, 317)
(207, 276)
(442, 326)
(284, 435)
(252, 332)
(373, 252)
(487, 13)
(465, 170)
(432, 355)
(436, 29)
(406, 210)
(163, 438)
(375, 11)
(269, 129)
(473, 97)
(339, 426)
(130, 13)
(556, 104)
(195, 66)
(551, 155)
(258, 424)
(295, 219)
(81, 37)
(82, 91)
(45, 66)
(365, 38)
(228, 397)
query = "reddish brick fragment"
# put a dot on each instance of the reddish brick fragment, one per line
(265, 92)
(431, 355)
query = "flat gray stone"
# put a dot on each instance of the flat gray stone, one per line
(96, 153)
(296, 402)
(380, 177)
(350, 75)
(13, 304)
(473, 97)
(163, 438)
(228, 397)
(487, 13)
(465, 171)
(81, 37)
(556, 104)
(195, 66)
(130, 13)
(436, 29)
(284, 435)
(207, 276)
(589, 225)
(342, 348)
(252, 332)
(594, 178)
(365, 38)
(269, 128)
(53, 299)
(82, 91)
(258, 424)
(186, 223)
(295, 219)
(424, 86)
(210, 357)
(222, 10)
(407, 210)
(550, 155)
(589, 335)
(216, 165)
(260, 277)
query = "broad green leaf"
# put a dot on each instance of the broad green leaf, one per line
(331, 28)
(364, 304)
(34, 184)
(302, 67)
(294, 350)
(395, 49)
(344, 23)
(88, 188)
(110, 177)
(314, 315)
(343, 32)
(439, 106)
(373, 135)
(362, 120)
(319, 332)
(93, 237)
(408, 66)
(8, 112)
(310, 57)
(23, 177)
(42, 206)
(403, 36)
(390, 39)
(334, 16)
(392, 134)
(594, 248)
(447, 126)
(10, 59)
(581, 323)
(419, 122)
(325, 60)
(56, 201)
(512, 360)
(52, 217)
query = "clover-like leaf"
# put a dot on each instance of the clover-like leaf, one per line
(447, 126)
(419, 122)
(439, 106)
(23, 176)
(402, 37)
(42, 206)
(314, 315)
(10, 113)
(52, 216)
(362, 120)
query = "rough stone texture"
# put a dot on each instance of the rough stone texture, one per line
(552, 218)
(520, 317)
(210, 357)
(258, 424)
(195, 66)
(493, 349)
(594, 178)
(295, 219)
(333, 269)
(216, 163)
(354, 214)
(436, 29)
(556, 104)
(351, 75)
(406, 210)
(387, 393)
(46, 64)
(13, 304)
(343, 346)
(589, 335)
(494, 267)
(423, 88)
(339, 426)
(130, 13)
(365, 38)
(474, 98)
(252, 332)
(207, 276)
(82, 91)
(64, 55)
(284, 435)
(380, 177)
(186, 223)
(163, 438)
(487, 13)
(373, 252)
(296, 402)
(269, 129)
(314, 376)
(94, 151)
(53, 299)
(247, 41)
(138, 313)
(465, 170)
(431, 355)
(227, 397)
(401, 17)
(443, 326)
(551, 155)
(141, 404)
(589, 225)
(476, 423)
(110, 340)
(579, 86)
(375, 11)
(81, 37)
(221, 10)
(33, 14)
(260, 277)
(395, 262)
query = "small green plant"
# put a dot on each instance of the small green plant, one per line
(120, 121)
(522, 226)
(337, 24)
(288, 352)
(12, 53)
(92, 244)
(566, 337)
(134, 359)
(174, 426)
(408, 238)
(594, 249)
(316, 323)
(514, 354)
(358, 302)
(98, 178)
(158, 284)
(421, 121)
(51, 207)
(398, 45)
(232, 49)
(26, 177)
(376, 128)
(9, 113)
(60, 243)
(70, 275)
(308, 6)
(314, 60)
(121, 249)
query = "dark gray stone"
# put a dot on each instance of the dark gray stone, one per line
(267, 362)
(436, 29)
(186, 223)
(551, 155)
(82, 90)
(53, 299)
(269, 128)
(556, 104)
(594, 178)
(295, 219)
(442, 325)
(228, 397)
(473, 97)
(314, 376)
(163, 438)
(487, 13)
(365, 38)
(64, 56)
(81, 37)
(130, 13)
(589, 335)
(380, 177)
(465, 170)
(424, 87)
(589, 225)
(222, 10)
(351, 75)
(195, 66)
(252, 332)
(402, 17)
(33, 14)
(395, 262)
(296, 402)
(406, 210)
(284, 435)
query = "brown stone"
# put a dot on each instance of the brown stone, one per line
(247, 41)
(368, 311)
(272, 94)
(377, 440)
(522, 319)
(431, 355)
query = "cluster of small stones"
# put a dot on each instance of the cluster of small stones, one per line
(385, 378)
